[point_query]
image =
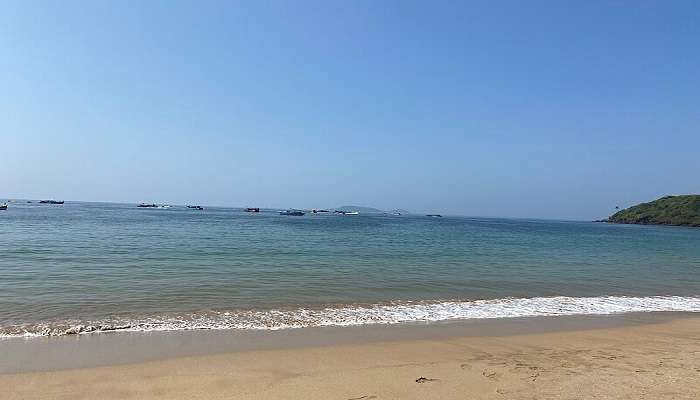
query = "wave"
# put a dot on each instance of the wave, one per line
(351, 315)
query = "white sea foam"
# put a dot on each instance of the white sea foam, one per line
(394, 313)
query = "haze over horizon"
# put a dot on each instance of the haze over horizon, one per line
(540, 110)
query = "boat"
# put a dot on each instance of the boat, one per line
(144, 205)
(252, 209)
(434, 215)
(3, 206)
(315, 211)
(51, 202)
(195, 207)
(347, 212)
(295, 213)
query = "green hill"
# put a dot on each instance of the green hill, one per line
(670, 210)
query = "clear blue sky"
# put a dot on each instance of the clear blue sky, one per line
(545, 109)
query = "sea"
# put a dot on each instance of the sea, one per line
(82, 268)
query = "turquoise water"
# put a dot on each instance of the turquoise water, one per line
(93, 266)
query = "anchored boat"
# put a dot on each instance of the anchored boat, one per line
(295, 213)
(347, 212)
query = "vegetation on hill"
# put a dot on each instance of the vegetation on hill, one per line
(670, 210)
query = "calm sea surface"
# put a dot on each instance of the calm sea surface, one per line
(87, 267)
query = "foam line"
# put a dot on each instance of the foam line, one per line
(351, 315)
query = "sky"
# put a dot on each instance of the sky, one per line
(539, 109)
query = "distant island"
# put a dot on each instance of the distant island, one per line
(669, 210)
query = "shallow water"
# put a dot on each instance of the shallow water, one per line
(92, 266)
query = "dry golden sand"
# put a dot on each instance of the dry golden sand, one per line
(660, 361)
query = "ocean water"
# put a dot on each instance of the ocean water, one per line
(86, 267)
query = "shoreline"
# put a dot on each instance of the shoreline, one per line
(102, 349)
(653, 356)
(659, 224)
(345, 315)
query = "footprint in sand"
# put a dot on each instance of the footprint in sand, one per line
(465, 366)
(490, 374)
(425, 380)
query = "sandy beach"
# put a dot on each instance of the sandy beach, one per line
(648, 361)
(346, 200)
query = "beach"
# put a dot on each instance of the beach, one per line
(626, 360)
(113, 301)
(261, 200)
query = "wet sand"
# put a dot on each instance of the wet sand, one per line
(627, 359)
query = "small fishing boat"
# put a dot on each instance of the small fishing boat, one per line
(3, 206)
(51, 202)
(252, 209)
(195, 207)
(144, 205)
(347, 212)
(434, 215)
(295, 213)
(315, 211)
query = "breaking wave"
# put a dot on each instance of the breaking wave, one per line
(351, 315)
